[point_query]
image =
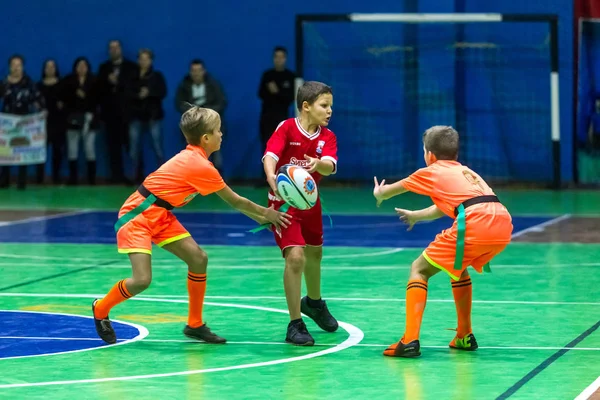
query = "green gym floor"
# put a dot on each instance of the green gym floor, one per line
(535, 316)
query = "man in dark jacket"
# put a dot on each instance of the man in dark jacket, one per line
(146, 91)
(112, 79)
(202, 90)
(276, 90)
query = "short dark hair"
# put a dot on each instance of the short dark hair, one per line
(197, 61)
(16, 57)
(280, 48)
(310, 92)
(442, 141)
(146, 51)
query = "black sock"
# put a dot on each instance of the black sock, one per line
(314, 303)
(295, 321)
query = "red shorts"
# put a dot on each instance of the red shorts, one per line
(306, 228)
(155, 225)
(442, 251)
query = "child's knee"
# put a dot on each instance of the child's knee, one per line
(142, 282)
(199, 261)
(421, 269)
(295, 259)
(314, 254)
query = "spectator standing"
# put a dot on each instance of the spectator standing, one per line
(113, 76)
(146, 91)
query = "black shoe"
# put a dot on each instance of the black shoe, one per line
(408, 350)
(320, 315)
(104, 327)
(298, 335)
(203, 333)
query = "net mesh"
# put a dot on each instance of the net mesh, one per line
(392, 81)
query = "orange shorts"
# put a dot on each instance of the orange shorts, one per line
(155, 225)
(442, 251)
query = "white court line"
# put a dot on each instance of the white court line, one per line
(542, 226)
(179, 265)
(590, 390)
(287, 344)
(99, 259)
(183, 299)
(44, 218)
(142, 333)
(387, 300)
(355, 336)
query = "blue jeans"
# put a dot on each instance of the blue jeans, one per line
(136, 130)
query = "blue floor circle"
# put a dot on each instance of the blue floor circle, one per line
(36, 333)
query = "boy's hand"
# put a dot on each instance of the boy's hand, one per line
(271, 181)
(279, 219)
(313, 163)
(378, 191)
(408, 217)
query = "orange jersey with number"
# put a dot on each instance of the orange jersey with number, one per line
(449, 183)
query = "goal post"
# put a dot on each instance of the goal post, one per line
(494, 77)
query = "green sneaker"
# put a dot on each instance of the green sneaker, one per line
(468, 343)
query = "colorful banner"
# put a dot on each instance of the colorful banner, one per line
(22, 139)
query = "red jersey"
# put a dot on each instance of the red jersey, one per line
(290, 142)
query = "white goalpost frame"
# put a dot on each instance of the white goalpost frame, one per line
(420, 18)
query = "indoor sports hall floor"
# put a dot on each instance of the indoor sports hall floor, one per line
(535, 316)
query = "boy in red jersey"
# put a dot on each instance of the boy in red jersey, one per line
(146, 217)
(481, 230)
(304, 141)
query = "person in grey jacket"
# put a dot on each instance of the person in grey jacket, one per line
(199, 88)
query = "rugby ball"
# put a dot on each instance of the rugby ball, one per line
(297, 187)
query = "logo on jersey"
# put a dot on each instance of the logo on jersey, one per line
(300, 163)
(295, 144)
(320, 146)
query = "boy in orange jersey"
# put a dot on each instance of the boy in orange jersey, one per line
(146, 217)
(481, 230)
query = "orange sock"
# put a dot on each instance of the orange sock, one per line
(416, 297)
(462, 291)
(117, 294)
(196, 285)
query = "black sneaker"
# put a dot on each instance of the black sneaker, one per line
(408, 350)
(104, 327)
(203, 333)
(298, 335)
(320, 315)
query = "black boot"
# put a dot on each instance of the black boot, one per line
(73, 172)
(91, 172)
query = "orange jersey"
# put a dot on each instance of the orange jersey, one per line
(180, 179)
(450, 183)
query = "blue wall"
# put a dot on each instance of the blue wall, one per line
(234, 38)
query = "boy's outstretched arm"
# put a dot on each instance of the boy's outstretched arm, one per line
(411, 217)
(258, 213)
(382, 192)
